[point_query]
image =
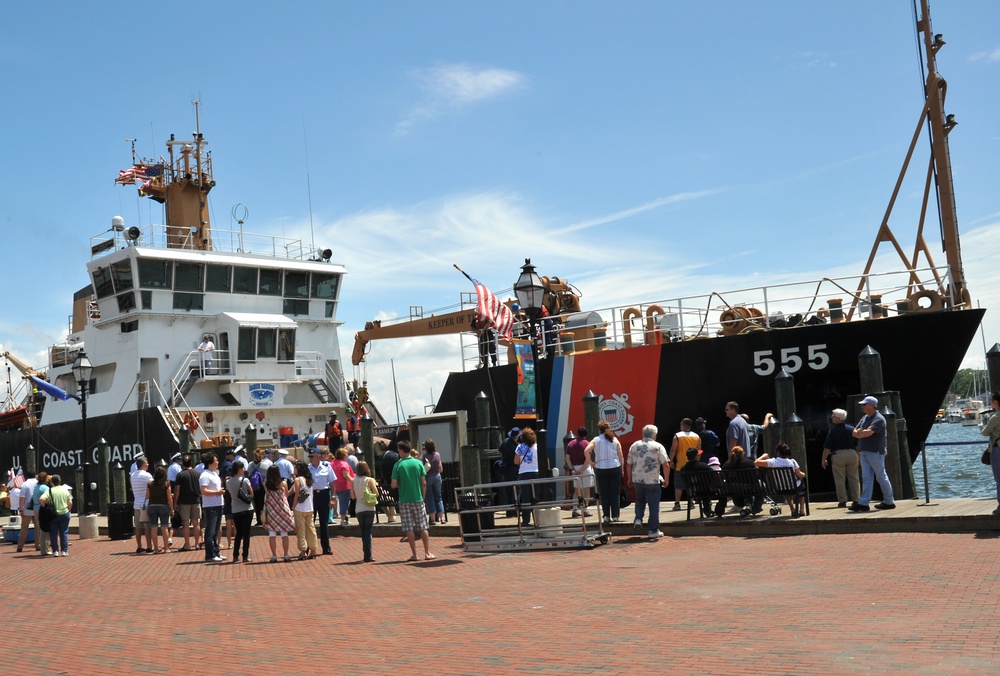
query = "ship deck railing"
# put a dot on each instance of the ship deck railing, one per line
(310, 367)
(157, 236)
(720, 314)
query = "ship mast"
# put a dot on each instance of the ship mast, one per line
(183, 187)
(952, 292)
(940, 126)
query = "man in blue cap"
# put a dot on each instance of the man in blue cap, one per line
(870, 433)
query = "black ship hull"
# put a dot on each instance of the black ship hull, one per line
(661, 384)
(58, 448)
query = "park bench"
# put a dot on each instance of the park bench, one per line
(385, 501)
(740, 483)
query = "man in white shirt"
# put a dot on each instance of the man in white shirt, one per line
(206, 348)
(140, 480)
(322, 474)
(211, 502)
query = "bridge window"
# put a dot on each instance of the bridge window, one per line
(188, 277)
(247, 344)
(324, 286)
(121, 272)
(126, 301)
(245, 280)
(267, 347)
(296, 284)
(189, 301)
(270, 282)
(217, 278)
(154, 274)
(294, 306)
(102, 283)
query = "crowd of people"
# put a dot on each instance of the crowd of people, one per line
(219, 498)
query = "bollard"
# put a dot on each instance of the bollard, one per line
(993, 367)
(249, 437)
(892, 459)
(367, 440)
(184, 439)
(78, 490)
(470, 473)
(836, 310)
(908, 483)
(870, 370)
(103, 477)
(784, 391)
(482, 421)
(591, 415)
(795, 436)
(118, 481)
(29, 460)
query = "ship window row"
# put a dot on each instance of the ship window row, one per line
(183, 300)
(196, 278)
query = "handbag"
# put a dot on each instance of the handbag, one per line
(371, 494)
(46, 512)
(304, 493)
(986, 458)
(144, 513)
(243, 493)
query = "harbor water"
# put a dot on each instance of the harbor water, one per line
(954, 469)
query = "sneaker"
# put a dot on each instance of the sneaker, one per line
(287, 558)
(55, 553)
(656, 535)
(842, 505)
(677, 506)
(637, 524)
(586, 512)
(856, 507)
(218, 559)
(273, 559)
(606, 521)
(576, 513)
(170, 542)
(65, 553)
(883, 505)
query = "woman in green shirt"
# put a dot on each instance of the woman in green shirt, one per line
(60, 498)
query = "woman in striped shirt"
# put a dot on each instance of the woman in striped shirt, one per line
(604, 454)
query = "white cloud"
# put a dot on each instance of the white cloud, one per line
(452, 88)
(988, 56)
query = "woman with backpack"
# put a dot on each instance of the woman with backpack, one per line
(364, 485)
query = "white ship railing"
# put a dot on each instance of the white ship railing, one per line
(223, 241)
(775, 307)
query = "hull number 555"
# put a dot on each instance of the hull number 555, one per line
(765, 362)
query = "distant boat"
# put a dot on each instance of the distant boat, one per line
(954, 415)
(972, 413)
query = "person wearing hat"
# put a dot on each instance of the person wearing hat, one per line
(135, 462)
(241, 457)
(207, 348)
(175, 518)
(353, 427)
(334, 433)
(646, 457)
(870, 434)
(322, 475)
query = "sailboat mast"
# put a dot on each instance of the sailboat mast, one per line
(941, 125)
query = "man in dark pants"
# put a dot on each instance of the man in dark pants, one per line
(322, 474)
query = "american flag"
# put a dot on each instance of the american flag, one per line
(492, 312)
(126, 177)
(145, 173)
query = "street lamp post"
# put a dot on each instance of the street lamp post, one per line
(530, 294)
(82, 370)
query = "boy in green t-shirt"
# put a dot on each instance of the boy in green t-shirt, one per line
(410, 478)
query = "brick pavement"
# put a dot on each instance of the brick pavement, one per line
(813, 604)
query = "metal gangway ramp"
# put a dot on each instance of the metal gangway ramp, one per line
(477, 507)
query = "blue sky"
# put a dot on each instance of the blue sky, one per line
(640, 149)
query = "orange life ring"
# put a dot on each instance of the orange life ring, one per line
(191, 420)
(936, 303)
